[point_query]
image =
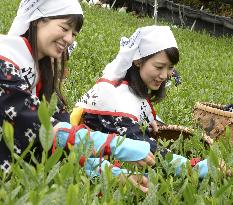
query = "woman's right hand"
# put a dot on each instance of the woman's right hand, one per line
(148, 161)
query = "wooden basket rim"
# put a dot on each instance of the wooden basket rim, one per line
(176, 128)
(213, 108)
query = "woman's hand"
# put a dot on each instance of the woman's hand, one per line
(55, 129)
(223, 168)
(148, 161)
(154, 126)
(138, 181)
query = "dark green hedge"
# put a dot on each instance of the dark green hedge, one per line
(219, 7)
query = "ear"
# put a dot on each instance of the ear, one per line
(137, 63)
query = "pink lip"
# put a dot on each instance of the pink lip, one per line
(157, 83)
(61, 46)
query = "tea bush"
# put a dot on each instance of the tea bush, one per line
(217, 7)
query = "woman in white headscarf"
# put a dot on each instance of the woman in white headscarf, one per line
(42, 31)
(120, 101)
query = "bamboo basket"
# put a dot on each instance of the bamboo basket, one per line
(169, 132)
(213, 119)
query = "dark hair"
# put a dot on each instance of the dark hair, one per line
(136, 84)
(51, 76)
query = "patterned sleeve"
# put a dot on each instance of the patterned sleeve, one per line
(18, 107)
(119, 125)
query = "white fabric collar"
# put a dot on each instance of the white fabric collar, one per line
(104, 98)
(30, 10)
(20, 56)
(144, 41)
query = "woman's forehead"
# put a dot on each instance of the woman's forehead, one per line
(65, 21)
(161, 55)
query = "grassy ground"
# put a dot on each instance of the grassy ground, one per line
(206, 68)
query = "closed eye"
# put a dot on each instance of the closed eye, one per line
(159, 67)
(74, 34)
(64, 28)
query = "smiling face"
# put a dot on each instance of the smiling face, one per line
(53, 37)
(155, 70)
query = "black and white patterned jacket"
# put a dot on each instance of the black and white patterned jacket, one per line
(18, 105)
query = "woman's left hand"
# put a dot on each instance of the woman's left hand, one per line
(154, 126)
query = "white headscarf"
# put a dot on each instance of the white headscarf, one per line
(144, 41)
(30, 10)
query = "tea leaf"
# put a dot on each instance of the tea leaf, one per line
(8, 135)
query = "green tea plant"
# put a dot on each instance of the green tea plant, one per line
(216, 7)
(55, 179)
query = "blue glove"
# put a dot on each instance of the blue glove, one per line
(93, 168)
(128, 150)
(178, 162)
(202, 166)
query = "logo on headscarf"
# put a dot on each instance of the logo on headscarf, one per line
(30, 5)
(129, 42)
